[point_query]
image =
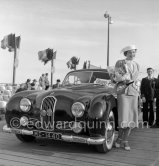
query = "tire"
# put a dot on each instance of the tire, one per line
(109, 133)
(25, 138)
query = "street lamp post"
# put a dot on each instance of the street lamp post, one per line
(107, 16)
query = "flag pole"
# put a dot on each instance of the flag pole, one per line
(15, 54)
(52, 65)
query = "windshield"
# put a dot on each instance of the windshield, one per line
(84, 77)
(77, 78)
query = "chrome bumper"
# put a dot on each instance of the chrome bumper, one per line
(68, 138)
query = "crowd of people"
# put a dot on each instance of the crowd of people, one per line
(42, 84)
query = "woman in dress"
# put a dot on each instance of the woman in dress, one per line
(126, 74)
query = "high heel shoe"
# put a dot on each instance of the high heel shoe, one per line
(126, 145)
(118, 143)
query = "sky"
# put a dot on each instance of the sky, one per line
(77, 28)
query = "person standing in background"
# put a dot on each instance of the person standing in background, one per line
(46, 81)
(42, 81)
(156, 125)
(34, 84)
(28, 84)
(147, 95)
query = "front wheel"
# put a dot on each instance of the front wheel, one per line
(109, 133)
(25, 138)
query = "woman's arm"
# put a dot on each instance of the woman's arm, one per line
(121, 72)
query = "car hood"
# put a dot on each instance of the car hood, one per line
(82, 89)
(71, 94)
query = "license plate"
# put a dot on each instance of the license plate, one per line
(49, 135)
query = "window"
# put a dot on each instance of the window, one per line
(99, 75)
(77, 78)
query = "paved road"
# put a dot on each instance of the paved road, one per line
(144, 143)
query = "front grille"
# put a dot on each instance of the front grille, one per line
(47, 113)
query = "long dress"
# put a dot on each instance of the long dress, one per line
(127, 98)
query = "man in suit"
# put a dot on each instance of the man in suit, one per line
(148, 95)
(156, 125)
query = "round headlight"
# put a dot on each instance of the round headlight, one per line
(25, 105)
(78, 109)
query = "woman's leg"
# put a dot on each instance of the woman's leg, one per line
(119, 139)
(126, 133)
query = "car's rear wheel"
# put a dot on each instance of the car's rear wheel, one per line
(109, 133)
(25, 138)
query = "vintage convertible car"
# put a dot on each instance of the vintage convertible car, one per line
(82, 110)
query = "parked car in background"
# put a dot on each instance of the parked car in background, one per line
(82, 110)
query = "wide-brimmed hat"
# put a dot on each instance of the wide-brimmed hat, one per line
(128, 48)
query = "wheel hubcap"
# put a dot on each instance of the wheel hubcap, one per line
(110, 130)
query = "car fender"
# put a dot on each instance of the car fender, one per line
(100, 105)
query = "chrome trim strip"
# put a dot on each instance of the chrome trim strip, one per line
(12, 130)
(68, 138)
(86, 140)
